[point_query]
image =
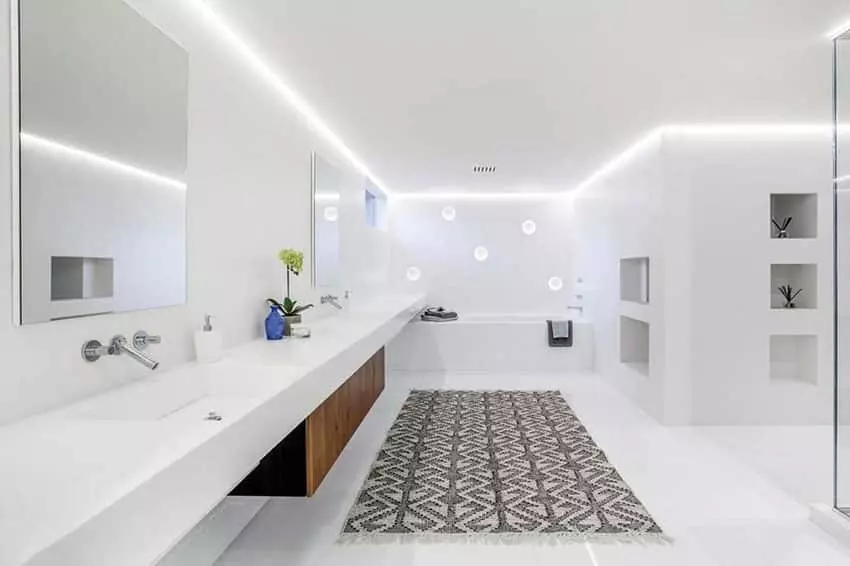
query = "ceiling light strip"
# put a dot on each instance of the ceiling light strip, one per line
(292, 97)
(616, 163)
(38, 142)
(723, 130)
(646, 141)
(838, 31)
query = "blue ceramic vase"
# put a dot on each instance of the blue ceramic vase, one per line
(275, 324)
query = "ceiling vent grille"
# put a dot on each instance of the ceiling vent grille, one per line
(481, 169)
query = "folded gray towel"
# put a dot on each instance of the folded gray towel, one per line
(429, 318)
(560, 329)
(440, 312)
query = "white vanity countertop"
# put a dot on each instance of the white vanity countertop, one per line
(119, 478)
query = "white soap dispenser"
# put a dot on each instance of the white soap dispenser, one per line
(208, 343)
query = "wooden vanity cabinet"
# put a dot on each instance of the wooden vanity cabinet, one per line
(297, 466)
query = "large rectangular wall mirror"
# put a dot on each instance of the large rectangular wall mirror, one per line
(101, 181)
(327, 188)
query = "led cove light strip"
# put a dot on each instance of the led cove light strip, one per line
(653, 136)
(725, 130)
(620, 160)
(839, 31)
(291, 96)
(38, 142)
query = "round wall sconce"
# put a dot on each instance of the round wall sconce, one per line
(449, 213)
(529, 227)
(413, 273)
(481, 253)
(556, 283)
(331, 214)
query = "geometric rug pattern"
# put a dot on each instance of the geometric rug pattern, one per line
(503, 464)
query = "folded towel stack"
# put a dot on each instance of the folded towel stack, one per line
(438, 314)
(560, 329)
(560, 333)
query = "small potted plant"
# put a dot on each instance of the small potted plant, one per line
(782, 227)
(293, 261)
(789, 294)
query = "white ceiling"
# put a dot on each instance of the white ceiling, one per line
(546, 90)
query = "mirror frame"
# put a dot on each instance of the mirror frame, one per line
(313, 274)
(15, 159)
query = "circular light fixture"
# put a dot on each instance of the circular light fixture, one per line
(449, 213)
(413, 273)
(529, 227)
(556, 283)
(331, 214)
(481, 253)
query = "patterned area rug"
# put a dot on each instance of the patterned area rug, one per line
(494, 466)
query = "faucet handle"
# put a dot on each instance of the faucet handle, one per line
(93, 350)
(142, 340)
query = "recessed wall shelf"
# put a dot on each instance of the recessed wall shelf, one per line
(802, 208)
(634, 344)
(634, 279)
(81, 278)
(799, 276)
(794, 358)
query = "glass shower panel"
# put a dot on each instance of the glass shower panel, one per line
(842, 270)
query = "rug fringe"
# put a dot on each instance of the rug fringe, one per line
(504, 539)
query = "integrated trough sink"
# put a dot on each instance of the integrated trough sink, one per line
(201, 389)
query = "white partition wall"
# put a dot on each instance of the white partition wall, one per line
(622, 222)
(698, 202)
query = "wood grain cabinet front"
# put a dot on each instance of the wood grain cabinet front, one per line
(298, 465)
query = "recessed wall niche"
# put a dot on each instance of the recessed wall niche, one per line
(74, 278)
(799, 276)
(801, 208)
(634, 279)
(794, 358)
(634, 344)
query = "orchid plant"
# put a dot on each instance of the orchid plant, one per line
(293, 261)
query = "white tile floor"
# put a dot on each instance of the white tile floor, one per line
(728, 496)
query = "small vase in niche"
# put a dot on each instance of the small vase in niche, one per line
(781, 227)
(789, 294)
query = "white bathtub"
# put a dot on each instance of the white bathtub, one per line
(491, 342)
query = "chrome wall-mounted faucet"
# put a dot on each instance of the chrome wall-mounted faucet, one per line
(93, 350)
(331, 300)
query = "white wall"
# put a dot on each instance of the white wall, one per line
(249, 196)
(627, 215)
(514, 279)
(731, 179)
(698, 205)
